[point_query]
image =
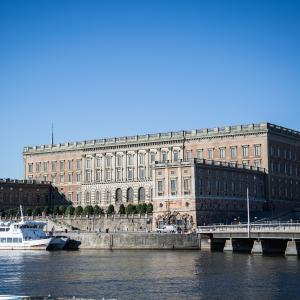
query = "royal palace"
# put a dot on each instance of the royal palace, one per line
(191, 177)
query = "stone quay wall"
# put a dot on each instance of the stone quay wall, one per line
(93, 240)
(102, 223)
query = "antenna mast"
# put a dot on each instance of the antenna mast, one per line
(52, 139)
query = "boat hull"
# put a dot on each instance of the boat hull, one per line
(40, 244)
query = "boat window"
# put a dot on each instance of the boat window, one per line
(15, 240)
(20, 240)
(3, 240)
(2, 229)
(6, 229)
(9, 240)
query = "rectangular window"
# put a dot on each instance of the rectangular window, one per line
(257, 150)
(233, 152)
(164, 156)
(53, 166)
(88, 163)
(186, 186)
(38, 167)
(78, 164)
(62, 165)
(160, 188)
(98, 162)
(188, 154)
(70, 197)
(78, 177)
(98, 175)
(130, 174)
(45, 166)
(61, 178)
(200, 153)
(108, 161)
(245, 151)
(175, 155)
(141, 159)
(70, 178)
(108, 174)
(222, 152)
(88, 176)
(173, 187)
(210, 153)
(152, 157)
(141, 172)
(119, 174)
(119, 161)
(30, 167)
(69, 164)
(78, 198)
(130, 160)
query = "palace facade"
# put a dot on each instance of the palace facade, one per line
(125, 169)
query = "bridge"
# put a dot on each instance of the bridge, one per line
(264, 238)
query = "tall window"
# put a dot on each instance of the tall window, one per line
(119, 174)
(210, 153)
(98, 197)
(175, 155)
(200, 153)
(45, 166)
(141, 159)
(152, 157)
(222, 152)
(186, 186)
(88, 163)
(98, 162)
(70, 178)
(108, 197)
(141, 172)
(188, 154)
(78, 177)
(88, 176)
(108, 174)
(164, 156)
(257, 150)
(173, 187)
(53, 166)
(160, 188)
(233, 152)
(130, 159)
(78, 198)
(129, 194)
(78, 164)
(130, 174)
(30, 167)
(69, 164)
(141, 194)
(62, 178)
(245, 151)
(119, 161)
(38, 167)
(62, 165)
(98, 175)
(118, 195)
(88, 198)
(108, 161)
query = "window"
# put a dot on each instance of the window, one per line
(98, 197)
(69, 164)
(70, 178)
(78, 164)
(88, 176)
(45, 166)
(130, 159)
(78, 198)
(108, 197)
(141, 172)
(38, 167)
(108, 174)
(53, 166)
(186, 186)
(175, 155)
(118, 195)
(119, 160)
(98, 162)
(98, 175)
(141, 194)
(119, 174)
(108, 161)
(62, 178)
(88, 198)
(200, 153)
(141, 159)
(30, 167)
(62, 165)
(160, 188)
(70, 197)
(188, 154)
(257, 163)
(173, 187)
(78, 177)
(45, 177)
(88, 163)
(130, 174)
(210, 153)
(152, 157)
(245, 151)
(129, 194)
(222, 152)
(164, 156)
(257, 150)
(245, 163)
(233, 152)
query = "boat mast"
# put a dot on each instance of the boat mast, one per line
(21, 211)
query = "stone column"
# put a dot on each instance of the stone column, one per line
(103, 166)
(257, 248)
(170, 154)
(136, 165)
(146, 164)
(125, 165)
(93, 175)
(291, 248)
(228, 245)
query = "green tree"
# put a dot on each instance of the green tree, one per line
(28, 212)
(46, 210)
(78, 210)
(110, 209)
(149, 208)
(56, 210)
(70, 210)
(130, 209)
(62, 209)
(88, 210)
(122, 210)
(97, 210)
(36, 212)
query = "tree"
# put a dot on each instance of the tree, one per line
(88, 210)
(122, 210)
(56, 210)
(36, 212)
(28, 212)
(62, 209)
(46, 210)
(130, 209)
(70, 210)
(78, 210)
(110, 209)
(97, 210)
(149, 208)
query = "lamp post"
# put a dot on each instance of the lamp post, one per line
(248, 212)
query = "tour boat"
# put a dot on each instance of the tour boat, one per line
(23, 235)
(58, 242)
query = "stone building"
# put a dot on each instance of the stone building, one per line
(116, 170)
(29, 194)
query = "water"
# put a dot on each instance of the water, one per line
(149, 275)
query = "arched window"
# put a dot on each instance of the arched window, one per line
(108, 197)
(88, 198)
(129, 194)
(98, 197)
(141, 194)
(118, 195)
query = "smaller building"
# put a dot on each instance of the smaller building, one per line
(29, 194)
(196, 192)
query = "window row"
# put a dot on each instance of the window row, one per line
(173, 187)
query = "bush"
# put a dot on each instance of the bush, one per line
(28, 212)
(78, 210)
(56, 210)
(88, 210)
(70, 210)
(141, 208)
(149, 208)
(122, 210)
(130, 209)
(110, 209)
(62, 209)
(97, 210)
(36, 212)
(46, 211)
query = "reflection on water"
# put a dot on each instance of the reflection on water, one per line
(148, 274)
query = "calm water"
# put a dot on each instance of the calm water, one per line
(149, 275)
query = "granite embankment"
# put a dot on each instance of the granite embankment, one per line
(125, 240)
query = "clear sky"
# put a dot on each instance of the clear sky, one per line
(112, 68)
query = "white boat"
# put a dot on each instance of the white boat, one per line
(23, 235)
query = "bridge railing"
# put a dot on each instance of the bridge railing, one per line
(263, 227)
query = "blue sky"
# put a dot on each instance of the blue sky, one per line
(112, 68)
